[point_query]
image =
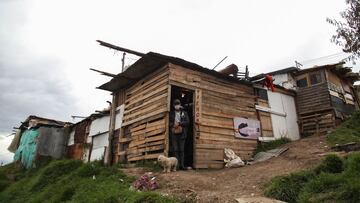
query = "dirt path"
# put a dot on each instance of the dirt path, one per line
(227, 184)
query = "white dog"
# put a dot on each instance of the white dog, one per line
(168, 163)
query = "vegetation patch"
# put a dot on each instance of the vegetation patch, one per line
(349, 131)
(73, 181)
(334, 180)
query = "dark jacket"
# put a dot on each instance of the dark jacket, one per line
(184, 122)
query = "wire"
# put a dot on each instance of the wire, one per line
(325, 57)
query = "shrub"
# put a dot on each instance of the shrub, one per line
(321, 189)
(331, 164)
(287, 188)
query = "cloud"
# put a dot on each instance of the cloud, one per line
(29, 83)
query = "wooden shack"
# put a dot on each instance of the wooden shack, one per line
(325, 96)
(145, 92)
(88, 138)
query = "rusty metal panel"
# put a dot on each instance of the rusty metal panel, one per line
(52, 142)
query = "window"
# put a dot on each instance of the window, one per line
(302, 82)
(341, 106)
(315, 78)
(261, 93)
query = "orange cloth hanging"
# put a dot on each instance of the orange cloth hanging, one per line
(268, 82)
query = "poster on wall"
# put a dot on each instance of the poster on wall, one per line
(246, 128)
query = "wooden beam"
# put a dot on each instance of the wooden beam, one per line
(111, 46)
(103, 72)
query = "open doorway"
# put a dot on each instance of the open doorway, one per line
(186, 98)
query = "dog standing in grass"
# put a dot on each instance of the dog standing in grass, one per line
(168, 163)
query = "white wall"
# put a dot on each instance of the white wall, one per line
(100, 143)
(100, 125)
(71, 140)
(283, 126)
(99, 133)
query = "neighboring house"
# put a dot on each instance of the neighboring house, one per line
(214, 101)
(89, 138)
(77, 144)
(39, 138)
(324, 95)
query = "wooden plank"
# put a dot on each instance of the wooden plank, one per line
(121, 140)
(152, 144)
(149, 88)
(147, 120)
(226, 109)
(145, 111)
(162, 110)
(145, 149)
(216, 130)
(144, 157)
(228, 124)
(128, 103)
(140, 127)
(153, 77)
(227, 138)
(155, 132)
(155, 99)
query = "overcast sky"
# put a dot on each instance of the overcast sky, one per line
(47, 47)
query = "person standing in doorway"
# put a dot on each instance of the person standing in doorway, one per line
(179, 122)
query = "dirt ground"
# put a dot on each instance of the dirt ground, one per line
(225, 185)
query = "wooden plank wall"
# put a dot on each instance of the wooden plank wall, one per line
(217, 102)
(144, 128)
(314, 98)
(315, 111)
(265, 119)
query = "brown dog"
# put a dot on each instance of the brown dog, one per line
(168, 163)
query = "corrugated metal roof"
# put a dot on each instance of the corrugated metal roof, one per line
(151, 62)
(44, 121)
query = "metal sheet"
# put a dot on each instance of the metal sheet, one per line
(284, 126)
(52, 142)
(99, 126)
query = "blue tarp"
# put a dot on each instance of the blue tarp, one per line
(27, 148)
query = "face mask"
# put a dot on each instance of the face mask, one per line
(177, 107)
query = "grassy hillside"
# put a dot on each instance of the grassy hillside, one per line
(349, 131)
(334, 180)
(71, 181)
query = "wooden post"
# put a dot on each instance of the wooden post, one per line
(109, 151)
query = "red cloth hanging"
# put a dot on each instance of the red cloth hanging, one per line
(268, 82)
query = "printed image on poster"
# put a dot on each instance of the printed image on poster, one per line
(246, 128)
